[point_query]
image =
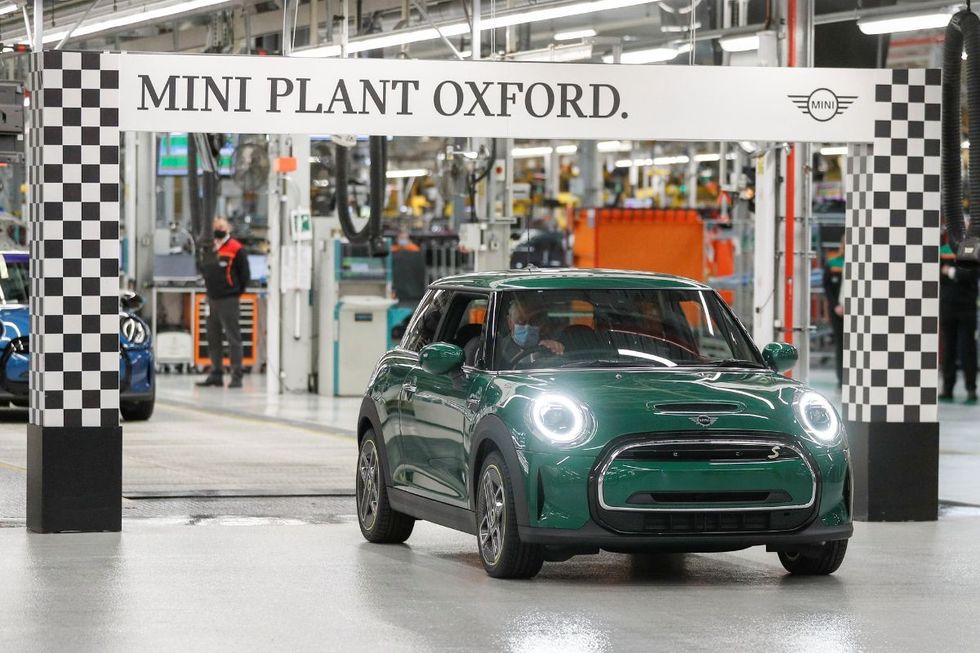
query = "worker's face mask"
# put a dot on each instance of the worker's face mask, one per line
(404, 241)
(219, 234)
(526, 336)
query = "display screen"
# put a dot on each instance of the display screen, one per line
(258, 267)
(362, 268)
(172, 159)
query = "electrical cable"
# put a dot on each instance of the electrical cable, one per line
(962, 32)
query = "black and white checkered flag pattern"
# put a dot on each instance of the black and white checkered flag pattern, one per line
(891, 324)
(73, 208)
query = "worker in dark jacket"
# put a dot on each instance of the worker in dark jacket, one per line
(957, 324)
(833, 276)
(225, 273)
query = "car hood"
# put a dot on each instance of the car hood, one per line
(627, 401)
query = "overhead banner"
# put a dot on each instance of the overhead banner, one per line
(403, 97)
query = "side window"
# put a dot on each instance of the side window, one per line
(422, 329)
(464, 323)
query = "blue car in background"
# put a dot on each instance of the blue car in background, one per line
(137, 391)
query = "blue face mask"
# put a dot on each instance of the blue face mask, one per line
(526, 336)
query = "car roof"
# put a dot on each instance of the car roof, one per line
(13, 254)
(567, 279)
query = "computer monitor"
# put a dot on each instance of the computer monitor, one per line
(258, 267)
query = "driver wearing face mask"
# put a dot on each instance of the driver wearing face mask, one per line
(523, 343)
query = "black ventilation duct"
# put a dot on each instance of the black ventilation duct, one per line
(963, 31)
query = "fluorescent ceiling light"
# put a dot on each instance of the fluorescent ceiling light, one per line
(561, 11)
(907, 23)
(671, 160)
(518, 17)
(7, 9)
(707, 157)
(653, 55)
(394, 39)
(566, 149)
(134, 18)
(837, 150)
(614, 146)
(739, 43)
(531, 152)
(402, 174)
(575, 34)
(556, 54)
(633, 163)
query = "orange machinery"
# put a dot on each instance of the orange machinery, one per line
(652, 240)
(248, 320)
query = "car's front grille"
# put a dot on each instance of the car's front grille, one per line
(680, 523)
(714, 453)
(677, 483)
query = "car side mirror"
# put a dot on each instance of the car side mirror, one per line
(780, 356)
(131, 301)
(441, 357)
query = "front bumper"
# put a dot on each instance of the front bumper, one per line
(703, 503)
(593, 535)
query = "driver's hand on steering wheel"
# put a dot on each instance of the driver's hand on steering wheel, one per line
(553, 346)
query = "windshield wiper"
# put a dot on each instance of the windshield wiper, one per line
(608, 362)
(735, 362)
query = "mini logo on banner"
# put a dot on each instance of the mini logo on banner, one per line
(822, 104)
(704, 420)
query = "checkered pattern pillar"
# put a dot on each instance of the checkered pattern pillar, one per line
(891, 324)
(74, 437)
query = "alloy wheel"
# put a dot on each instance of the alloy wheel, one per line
(492, 516)
(368, 492)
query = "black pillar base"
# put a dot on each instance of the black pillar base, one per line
(74, 479)
(896, 470)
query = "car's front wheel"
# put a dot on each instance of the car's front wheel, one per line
(379, 522)
(501, 550)
(819, 560)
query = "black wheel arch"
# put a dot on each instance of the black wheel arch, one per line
(370, 420)
(491, 433)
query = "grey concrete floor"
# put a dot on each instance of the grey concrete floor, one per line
(274, 586)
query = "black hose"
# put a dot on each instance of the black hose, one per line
(963, 31)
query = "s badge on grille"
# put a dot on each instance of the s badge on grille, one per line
(704, 420)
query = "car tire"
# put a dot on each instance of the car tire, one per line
(379, 522)
(137, 411)
(816, 561)
(500, 547)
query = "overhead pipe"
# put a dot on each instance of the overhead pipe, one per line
(371, 233)
(962, 32)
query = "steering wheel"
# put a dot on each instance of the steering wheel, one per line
(528, 352)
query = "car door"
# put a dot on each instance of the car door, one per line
(438, 409)
(421, 331)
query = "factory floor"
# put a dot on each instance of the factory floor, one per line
(239, 534)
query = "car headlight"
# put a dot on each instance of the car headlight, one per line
(560, 420)
(133, 330)
(818, 417)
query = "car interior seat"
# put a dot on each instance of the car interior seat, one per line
(468, 337)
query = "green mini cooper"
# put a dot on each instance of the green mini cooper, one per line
(560, 412)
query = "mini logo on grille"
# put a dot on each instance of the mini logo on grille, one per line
(704, 420)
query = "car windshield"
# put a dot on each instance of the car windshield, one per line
(538, 329)
(15, 280)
